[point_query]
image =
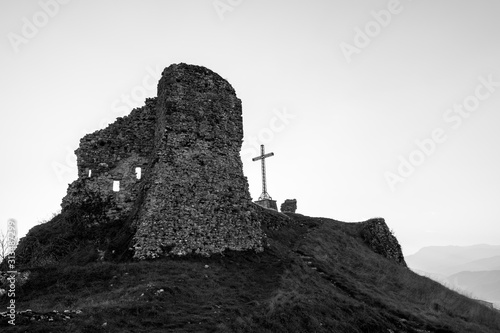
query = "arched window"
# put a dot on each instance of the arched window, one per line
(116, 185)
(138, 171)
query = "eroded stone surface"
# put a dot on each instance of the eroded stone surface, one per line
(192, 196)
(197, 198)
(113, 154)
(290, 206)
(377, 235)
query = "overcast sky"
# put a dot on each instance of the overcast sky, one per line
(372, 108)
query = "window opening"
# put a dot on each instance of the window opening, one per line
(138, 172)
(116, 185)
(90, 173)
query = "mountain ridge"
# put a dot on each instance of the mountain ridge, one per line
(442, 260)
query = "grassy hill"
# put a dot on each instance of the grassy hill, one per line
(315, 275)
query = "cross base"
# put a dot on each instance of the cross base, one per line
(267, 203)
(265, 196)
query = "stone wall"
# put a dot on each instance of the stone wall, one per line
(113, 154)
(290, 206)
(377, 235)
(192, 196)
(197, 199)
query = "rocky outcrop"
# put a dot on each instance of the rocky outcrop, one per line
(289, 206)
(377, 235)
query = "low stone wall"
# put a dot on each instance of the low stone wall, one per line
(289, 206)
(377, 235)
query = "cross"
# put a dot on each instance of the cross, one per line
(262, 157)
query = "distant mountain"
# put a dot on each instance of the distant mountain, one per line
(483, 284)
(447, 260)
(473, 270)
(486, 264)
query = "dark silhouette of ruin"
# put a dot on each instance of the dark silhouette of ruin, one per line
(175, 164)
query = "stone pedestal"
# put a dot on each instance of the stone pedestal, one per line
(266, 203)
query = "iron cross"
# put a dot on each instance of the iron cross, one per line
(262, 157)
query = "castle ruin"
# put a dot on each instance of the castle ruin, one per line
(173, 167)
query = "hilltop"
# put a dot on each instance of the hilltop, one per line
(159, 234)
(315, 275)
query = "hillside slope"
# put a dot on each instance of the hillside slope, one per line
(315, 275)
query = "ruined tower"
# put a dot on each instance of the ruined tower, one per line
(173, 166)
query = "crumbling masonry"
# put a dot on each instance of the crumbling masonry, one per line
(173, 165)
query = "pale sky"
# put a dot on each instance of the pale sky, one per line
(340, 91)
